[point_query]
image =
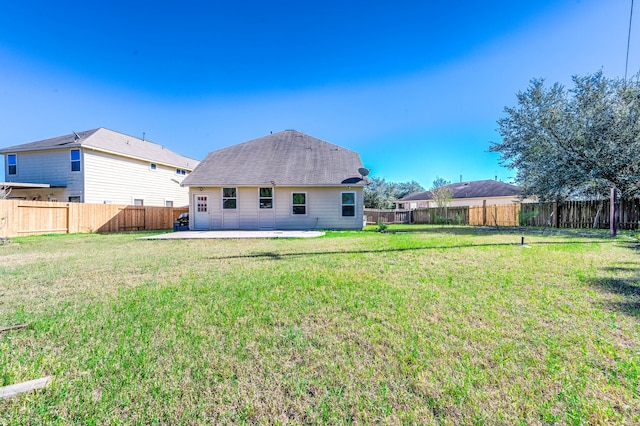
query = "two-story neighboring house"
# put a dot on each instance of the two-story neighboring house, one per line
(97, 166)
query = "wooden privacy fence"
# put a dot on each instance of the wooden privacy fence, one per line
(441, 215)
(582, 214)
(19, 217)
(569, 214)
(494, 215)
(387, 216)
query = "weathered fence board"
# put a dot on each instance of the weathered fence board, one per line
(439, 215)
(569, 214)
(387, 216)
(20, 217)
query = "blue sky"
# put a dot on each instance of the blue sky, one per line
(415, 87)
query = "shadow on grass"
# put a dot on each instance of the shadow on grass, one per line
(627, 286)
(484, 230)
(274, 255)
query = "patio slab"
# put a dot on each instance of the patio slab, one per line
(233, 234)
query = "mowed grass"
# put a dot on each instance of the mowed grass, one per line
(439, 326)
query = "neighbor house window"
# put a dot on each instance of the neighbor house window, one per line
(181, 172)
(299, 203)
(75, 160)
(229, 198)
(266, 198)
(74, 199)
(138, 202)
(12, 164)
(153, 166)
(168, 203)
(348, 204)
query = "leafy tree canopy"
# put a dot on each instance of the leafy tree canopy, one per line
(439, 182)
(380, 194)
(574, 142)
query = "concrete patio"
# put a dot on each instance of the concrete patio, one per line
(233, 234)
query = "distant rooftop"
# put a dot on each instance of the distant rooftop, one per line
(471, 189)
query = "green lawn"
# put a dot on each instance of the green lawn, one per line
(435, 326)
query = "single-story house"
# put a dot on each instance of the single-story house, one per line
(97, 166)
(473, 193)
(285, 180)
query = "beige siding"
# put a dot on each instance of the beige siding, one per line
(120, 180)
(323, 208)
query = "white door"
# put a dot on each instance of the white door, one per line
(201, 212)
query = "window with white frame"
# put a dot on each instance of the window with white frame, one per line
(138, 202)
(168, 203)
(266, 198)
(348, 204)
(75, 160)
(12, 164)
(299, 203)
(181, 172)
(229, 198)
(153, 166)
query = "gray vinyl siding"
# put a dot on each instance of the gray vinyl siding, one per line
(121, 180)
(324, 208)
(52, 167)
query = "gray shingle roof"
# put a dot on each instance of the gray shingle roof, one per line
(473, 189)
(285, 158)
(110, 141)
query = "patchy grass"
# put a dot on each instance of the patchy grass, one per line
(435, 325)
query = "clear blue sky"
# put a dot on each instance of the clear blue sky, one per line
(415, 87)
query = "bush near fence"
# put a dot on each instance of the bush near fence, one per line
(19, 217)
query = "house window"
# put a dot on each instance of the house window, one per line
(74, 199)
(75, 160)
(138, 202)
(348, 204)
(229, 198)
(168, 203)
(12, 164)
(153, 166)
(299, 203)
(266, 198)
(201, 204)
(181, 172)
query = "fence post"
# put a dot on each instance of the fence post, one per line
(556, 216)
(484, 212)
(612, 212)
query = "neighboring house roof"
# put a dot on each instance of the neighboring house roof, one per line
(106, 140)
(473, 189)
(284, 158)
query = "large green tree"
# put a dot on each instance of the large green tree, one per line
(574, 142)
(381, 194)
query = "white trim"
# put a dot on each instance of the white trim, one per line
(229, 198)
(306, 203)
(71, 160)
(7, 164)
(273, 201)
(355, 203)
